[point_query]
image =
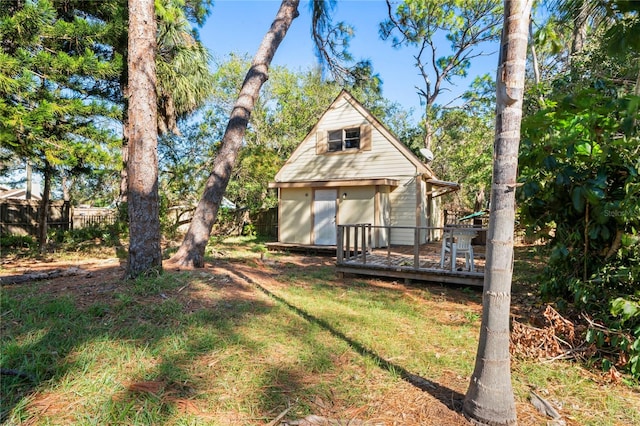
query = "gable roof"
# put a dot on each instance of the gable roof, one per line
(420, 165)
(344, 95)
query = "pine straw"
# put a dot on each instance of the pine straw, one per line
(54, 405)
(167, 393)
(555, 339)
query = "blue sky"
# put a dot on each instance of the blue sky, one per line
(239, 25)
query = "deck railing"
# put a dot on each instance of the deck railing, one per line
(358, 241)
(353, 240)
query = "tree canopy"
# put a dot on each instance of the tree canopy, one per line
(579, 173)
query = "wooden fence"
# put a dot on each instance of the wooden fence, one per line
(265, 223)
(86, 217)
(20, 217)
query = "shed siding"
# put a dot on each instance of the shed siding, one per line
(358, 206)
(295, 215)
(403, 211)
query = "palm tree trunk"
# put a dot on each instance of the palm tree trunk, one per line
(580, 22)
(142, 164)
(489, 399)
(191, 251)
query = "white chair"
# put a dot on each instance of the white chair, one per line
(458, 242)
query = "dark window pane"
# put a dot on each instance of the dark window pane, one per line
(335, 136)
(334, 146)
(352, 139)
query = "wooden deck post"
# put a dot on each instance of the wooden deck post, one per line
(340, 246)
(348, 244)
(365, 229)
(355, 240)
(416, 248)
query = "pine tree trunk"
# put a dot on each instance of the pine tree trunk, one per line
(191, 251)
(144, 225)
(489, 399)
(27, 194)
(124, 181)
(43, 224)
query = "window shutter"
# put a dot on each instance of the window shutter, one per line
(365, 137)
(321, 142)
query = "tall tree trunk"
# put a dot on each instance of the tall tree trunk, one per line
(489, 399)
(534, 55)
(535, 64)
(27, 194)
(43, 225)
(191, 251)
(580, 20)
(145, 253)
(428, 134)
(124, 181)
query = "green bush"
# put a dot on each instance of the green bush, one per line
(17, 242)
(580, 167)
(108, 235)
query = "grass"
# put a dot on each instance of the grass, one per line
(203, 347)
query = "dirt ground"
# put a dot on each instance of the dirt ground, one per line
(410, 404)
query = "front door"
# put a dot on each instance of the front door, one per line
(324, 217)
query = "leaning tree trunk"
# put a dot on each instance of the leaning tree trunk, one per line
(489, 399)
(145, 253)
(191, 251)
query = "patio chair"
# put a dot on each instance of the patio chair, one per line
(458, 242)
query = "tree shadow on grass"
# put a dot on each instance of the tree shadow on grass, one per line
(138, 318)
(449, 397)
(44, 336)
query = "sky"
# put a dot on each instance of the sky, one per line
(238, 26)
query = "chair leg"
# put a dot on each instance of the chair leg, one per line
(442, 251)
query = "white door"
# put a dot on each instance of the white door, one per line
(324, 217)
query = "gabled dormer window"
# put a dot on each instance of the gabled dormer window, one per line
(344, 139)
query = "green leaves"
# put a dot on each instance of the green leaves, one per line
(56, 81)
(578, 199)
(625, 308)
(579, 165)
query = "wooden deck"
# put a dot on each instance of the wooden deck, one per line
(421, 262)
(400, 262)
